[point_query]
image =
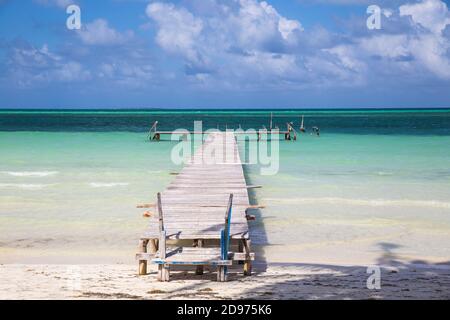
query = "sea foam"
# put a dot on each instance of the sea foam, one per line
(367, 202)
(36, 174)
(108, 185)
(25, 186)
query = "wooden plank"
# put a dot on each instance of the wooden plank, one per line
(190, 236)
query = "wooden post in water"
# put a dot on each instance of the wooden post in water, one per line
(153, 128)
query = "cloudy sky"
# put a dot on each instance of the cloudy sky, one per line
(224, 53)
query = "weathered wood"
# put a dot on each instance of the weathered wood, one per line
(162, 245)
(143, 262)
(248, 262)
(146, 206)
(153, 246)
(160, 214)
(256, 207)
(222, 275)
(163, 273)
(192, 208)
(199, 270)
(233, 256)
(241, 250)
(198, 235)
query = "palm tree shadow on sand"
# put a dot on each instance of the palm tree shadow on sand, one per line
(295, 281)
(400, 279)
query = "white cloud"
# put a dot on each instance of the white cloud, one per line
(419, 51)
(99, 32)
(70, 72)
(387, 46)
(248, 44)
(430, 14)
(30, 65)
(258, 24)
(232, 40)
(59, 3)
(126, 73)
(432, 52)
(178, 28)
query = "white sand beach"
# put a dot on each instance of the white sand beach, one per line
(278, 281)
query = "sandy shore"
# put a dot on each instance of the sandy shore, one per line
(278, 281)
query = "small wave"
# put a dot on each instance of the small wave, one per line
(156, 171)
(367, 202)
(25, 186)
(383, 173)
(108, 185)
(37, 174)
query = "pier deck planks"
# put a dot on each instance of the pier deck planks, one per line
(194, 204)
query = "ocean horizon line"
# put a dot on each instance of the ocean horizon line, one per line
(222, 110)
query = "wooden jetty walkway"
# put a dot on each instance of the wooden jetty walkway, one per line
(206, 207)
(290, 134)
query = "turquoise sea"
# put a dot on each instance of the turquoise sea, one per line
(373, 188)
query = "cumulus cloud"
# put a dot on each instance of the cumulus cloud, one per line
(59, 3)
(430, 14)
(99, 32)
(250, 42)
(234, 39)
(29, 66)
(178, 29)
(126, 73)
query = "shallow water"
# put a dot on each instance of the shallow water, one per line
(373, 188)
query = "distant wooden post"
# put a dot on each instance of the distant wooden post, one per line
(271, 122)
(152, 129)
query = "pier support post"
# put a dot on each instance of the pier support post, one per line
(153, 246)
(248, 262)
(199, 270)
(143, 263)
(222, 275)
(241, 249)
(163, 273)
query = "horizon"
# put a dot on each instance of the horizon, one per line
(223, 109)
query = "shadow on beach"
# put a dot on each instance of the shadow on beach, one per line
(298, 281)
(399, 280)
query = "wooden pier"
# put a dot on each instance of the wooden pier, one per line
(290, 134)
(206, 207)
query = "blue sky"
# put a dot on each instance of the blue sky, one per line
(224, 54)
